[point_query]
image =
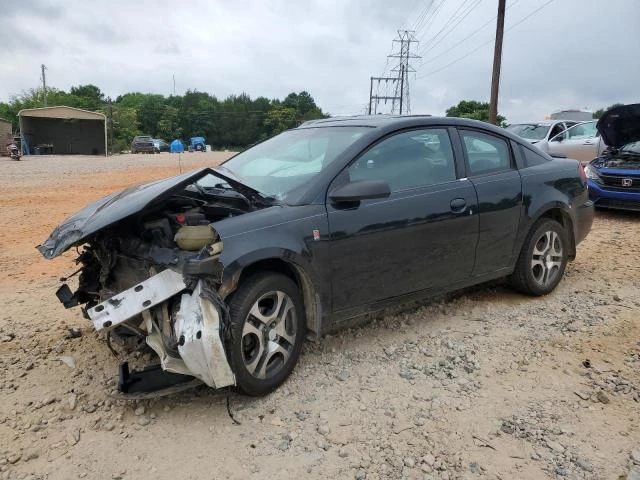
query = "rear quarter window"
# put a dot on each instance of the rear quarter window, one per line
(533, 159)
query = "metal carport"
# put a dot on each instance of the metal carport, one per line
(63, 131)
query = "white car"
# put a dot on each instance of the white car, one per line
(581, 142)
(536, 132)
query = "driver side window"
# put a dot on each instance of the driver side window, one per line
(408, 160)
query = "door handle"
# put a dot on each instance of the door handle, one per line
(458, 205)
(588, 143)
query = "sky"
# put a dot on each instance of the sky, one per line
(557, 54)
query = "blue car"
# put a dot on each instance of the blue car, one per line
(197, 144)
(614, 177)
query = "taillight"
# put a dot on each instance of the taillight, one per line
(582, 174)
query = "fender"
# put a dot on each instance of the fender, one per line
(300, 241)
(530, 218)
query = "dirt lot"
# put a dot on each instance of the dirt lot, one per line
(488, 384)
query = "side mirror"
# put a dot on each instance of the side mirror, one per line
(361, 190)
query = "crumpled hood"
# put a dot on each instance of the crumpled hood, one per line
(112, 209)
(620, 126)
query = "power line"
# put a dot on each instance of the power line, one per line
(491, 20)
(421, 16)
(446, 24)
(462, 16)
(483, 44)
(429, 21)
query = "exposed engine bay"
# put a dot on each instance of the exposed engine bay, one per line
(152, 278)
(623, 161)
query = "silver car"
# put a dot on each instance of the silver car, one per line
(581, 142)
(536, 132)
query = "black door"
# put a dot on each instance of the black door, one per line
(492, 170)
(422, 236)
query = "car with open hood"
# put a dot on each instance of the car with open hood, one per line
(614, 176)
(224, 272)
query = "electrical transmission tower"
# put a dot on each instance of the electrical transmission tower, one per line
(402, 54)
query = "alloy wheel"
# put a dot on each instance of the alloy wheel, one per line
(269, 334)
(546, 261)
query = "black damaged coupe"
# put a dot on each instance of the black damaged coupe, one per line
(223, 272)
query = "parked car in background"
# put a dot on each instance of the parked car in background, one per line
(536, 132)
(142, 143)
(160, 145)
(581, 142)
(224, 271)
(197, 144)
(614, 177)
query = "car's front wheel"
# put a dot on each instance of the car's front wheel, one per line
(267, 332)
(542, 260)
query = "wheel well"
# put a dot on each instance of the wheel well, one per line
(300, 278)
(563, 219)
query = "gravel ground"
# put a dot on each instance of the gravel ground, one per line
(485, 383)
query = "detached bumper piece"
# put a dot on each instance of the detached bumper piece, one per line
(152, 379)
(131, 302)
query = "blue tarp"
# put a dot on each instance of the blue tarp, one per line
(177, 146)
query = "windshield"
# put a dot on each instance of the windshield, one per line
(531, 131)
(281, 165)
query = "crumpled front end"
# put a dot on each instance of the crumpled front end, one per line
(151, 277)
(185, 329)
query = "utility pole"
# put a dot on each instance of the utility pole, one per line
(44, 84)
(497, 61)
(110, 125)
(174, 84)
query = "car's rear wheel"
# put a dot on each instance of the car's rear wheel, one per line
(267, 332)
(542, 260)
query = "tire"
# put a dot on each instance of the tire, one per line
(542, 260)
(133, 150)
(199, 148)
(266, 311)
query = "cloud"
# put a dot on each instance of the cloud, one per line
(564, 56)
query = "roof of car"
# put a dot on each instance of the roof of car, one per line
(391, 122)
(361, 120)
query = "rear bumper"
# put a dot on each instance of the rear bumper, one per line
(144, 148)
(584, 220)
(616, 199)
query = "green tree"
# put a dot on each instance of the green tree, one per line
(89, 96)
(125, 127)
(598, 113)
(474, 110)
(280, 119)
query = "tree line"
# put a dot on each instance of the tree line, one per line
(235, 122)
